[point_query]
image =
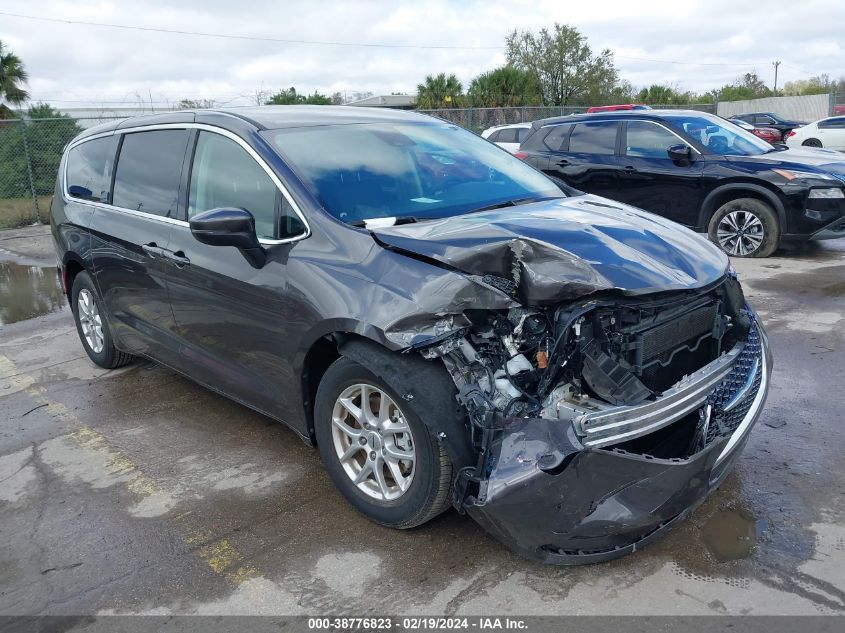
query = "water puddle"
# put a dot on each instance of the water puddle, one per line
(28, 291)
(732, 534)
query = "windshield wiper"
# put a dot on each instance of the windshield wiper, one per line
(512, 203)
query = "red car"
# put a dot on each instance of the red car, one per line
(615, 108)
(768, 134)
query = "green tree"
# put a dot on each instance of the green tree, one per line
(820, 84)
(12, 78)
(622, 92)
(658, 94)
(41, 138)
(563, 63)
(749, 86)
(292, 97)
(440, 91)
(505, 86)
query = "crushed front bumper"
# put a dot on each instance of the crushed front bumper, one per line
(551, 498)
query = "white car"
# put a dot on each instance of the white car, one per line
(829, 133)
(507, 136)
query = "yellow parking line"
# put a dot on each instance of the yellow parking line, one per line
(218, 554)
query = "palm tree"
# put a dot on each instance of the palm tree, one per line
(12, 76)
(439, 91)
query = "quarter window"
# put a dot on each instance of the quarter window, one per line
(88, 175)
(597, 137)
(556, 139)
(225, 175)
(648, 140)
(508, 135)
(149, 170)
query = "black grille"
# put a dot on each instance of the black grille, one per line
(670, 335)
(723, 423)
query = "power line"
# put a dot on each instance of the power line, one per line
(255, 38)
(669, 61)
(246, 37)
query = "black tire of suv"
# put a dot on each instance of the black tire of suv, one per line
(109, 357)
(428, 494)
(812, 142)
(766, 215)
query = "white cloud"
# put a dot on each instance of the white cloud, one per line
(72, 64)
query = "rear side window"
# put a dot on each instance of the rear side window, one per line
(837, 123)
(89, 169)
(507, 135)
(597, 137)
(534, 139)
(556, 139)
(149, 170)
(225, 175)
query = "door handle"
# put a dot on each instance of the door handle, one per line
(179, 259)
(630, 168)
(563, 162)
(152, 250)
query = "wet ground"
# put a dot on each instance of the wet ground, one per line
(137, 491)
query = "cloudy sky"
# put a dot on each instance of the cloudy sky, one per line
(694, 44)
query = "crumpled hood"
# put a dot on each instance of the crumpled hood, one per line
(557, 250)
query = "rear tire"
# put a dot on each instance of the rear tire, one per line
(812, 142)
(92, 325)
(745, 227)
(358, 442)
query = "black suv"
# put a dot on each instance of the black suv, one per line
(700, 171)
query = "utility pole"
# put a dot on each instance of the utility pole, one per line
(776, 64)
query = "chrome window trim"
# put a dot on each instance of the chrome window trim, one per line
(187, 126)
(658, 124)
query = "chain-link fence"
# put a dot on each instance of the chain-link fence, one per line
(30, 152)
(479, 119)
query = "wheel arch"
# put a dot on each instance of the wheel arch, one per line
(72, 265)
(425, 382)
(731, 191)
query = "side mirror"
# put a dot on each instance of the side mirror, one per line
(228, 226)
(680, 153)
(78, 191)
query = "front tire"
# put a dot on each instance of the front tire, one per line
(745, 227)
(377, 450)
(92, 326)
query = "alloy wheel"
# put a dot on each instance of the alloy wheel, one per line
(90, 320)
(740, 232)
(373, 442)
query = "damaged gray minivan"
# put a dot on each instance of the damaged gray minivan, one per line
(449, 326)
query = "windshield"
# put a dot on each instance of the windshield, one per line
(360, 172)
(719, 136)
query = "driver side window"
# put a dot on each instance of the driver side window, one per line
(648, 140)
(223, 174)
